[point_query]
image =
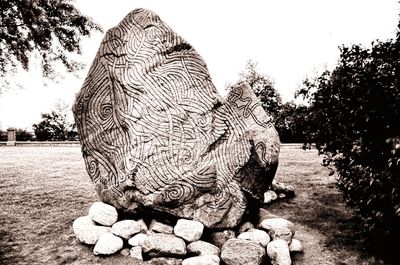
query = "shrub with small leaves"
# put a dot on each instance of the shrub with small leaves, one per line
(354, 119)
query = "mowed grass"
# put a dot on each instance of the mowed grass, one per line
(43, 189)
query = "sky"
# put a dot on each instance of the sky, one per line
(289, 39)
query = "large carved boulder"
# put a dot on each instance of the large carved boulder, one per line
(155, 132)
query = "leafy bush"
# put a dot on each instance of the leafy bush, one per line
(354, 120)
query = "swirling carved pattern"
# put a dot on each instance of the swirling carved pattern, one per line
(152, 124)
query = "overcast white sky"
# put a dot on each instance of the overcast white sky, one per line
(289, 39)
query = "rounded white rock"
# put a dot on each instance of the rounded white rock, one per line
(108, 244)
(137, 240)
(126, 228)
(86, 231)
(103, 213)
(189, 230)
(256, 235)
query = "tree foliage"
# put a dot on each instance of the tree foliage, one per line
(354, 115)
(263, 87)
(23, 135)
(292, 123)
(54, 126)
(52, 28)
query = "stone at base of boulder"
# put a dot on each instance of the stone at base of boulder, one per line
(136, 252)
(126, 228)
(219, 238)
(295, 246)
(269, 224)
(257, 236)
(201, 248)
(87, 231)
(202, 260)
(245, 227)
(281, 233)
(103, 213)
(126, 252)
(156, 245)
(137, 240)
(281, 188)
(239, 251)
(189, 230)
(108, 244)
(278, 252)
(159, 227)
(270, 196)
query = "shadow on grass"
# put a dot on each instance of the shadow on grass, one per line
(8, 248)
(321, 208)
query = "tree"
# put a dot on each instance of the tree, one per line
(55, 125)
(292, 123)
(355, 112)
(3, 136)
(23, 135)
(51, 128)
(52, 28)
(263, 87)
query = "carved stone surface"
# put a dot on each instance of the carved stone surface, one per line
(155, 133)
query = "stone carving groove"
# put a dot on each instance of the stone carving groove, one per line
(154, 131)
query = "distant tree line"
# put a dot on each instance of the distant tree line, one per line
(21, 135)
(54, 126)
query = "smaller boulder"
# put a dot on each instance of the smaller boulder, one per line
(282, 195)
(219, 238)
(274, 223)
(278, 252)
(159, 227)
(108, 244)
(239, 251)
(103, 213)
(245, 227)
(201, 248)
(281, 233)
(282, 188)
(137, 240)
(87, 231)
(202, 260)
(136, 252)
(126, 252)
(270, 196)
(189, 230)
(125, 228)
(295, 246)
(255, 235)
(166, 245)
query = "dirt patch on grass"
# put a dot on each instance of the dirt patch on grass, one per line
(43, 189)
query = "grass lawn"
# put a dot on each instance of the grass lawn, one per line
(43, 189)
